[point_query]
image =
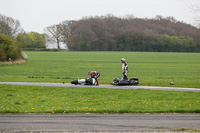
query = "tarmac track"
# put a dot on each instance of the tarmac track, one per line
(98, 122)
(101, 86)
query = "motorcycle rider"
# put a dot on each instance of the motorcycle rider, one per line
(94, 74)
(124, 69)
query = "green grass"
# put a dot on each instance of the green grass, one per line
(154, 69)
(32, 99)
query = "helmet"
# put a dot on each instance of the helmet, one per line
(91, 73)
(122, 59)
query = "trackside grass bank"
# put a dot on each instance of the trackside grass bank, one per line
(32, 99)
(154, 69)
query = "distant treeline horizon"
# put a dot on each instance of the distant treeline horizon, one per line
(110, 33)
(103, 33)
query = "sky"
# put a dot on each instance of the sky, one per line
(35, 15)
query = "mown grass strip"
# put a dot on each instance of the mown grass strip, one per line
(33, 99)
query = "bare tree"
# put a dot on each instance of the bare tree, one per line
(9, 26)
(196, 10)
(66, 31)
(53, 34)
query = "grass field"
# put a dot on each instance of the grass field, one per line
(32, 99)
(154, 69)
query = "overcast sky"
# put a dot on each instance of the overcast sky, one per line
(35, 15)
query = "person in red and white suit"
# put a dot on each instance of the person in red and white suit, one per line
(94, 74)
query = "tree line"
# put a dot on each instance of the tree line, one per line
(102, 33)
(110, 33)
(9, 28)
(13, 38)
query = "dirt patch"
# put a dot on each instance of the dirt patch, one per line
(20, 61)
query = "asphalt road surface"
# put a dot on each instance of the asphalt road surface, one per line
(101, 86)
(98, 122)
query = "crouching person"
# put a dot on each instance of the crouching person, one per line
(94, 74)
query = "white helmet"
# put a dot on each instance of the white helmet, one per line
(122, 59)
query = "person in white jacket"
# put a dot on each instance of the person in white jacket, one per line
(124, 69)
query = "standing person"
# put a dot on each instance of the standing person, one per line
(94, 74)
(124, 69)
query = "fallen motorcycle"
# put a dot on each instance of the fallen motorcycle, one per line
(121, 81)
(87, 81)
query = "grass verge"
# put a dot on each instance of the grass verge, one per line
(33, 99)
